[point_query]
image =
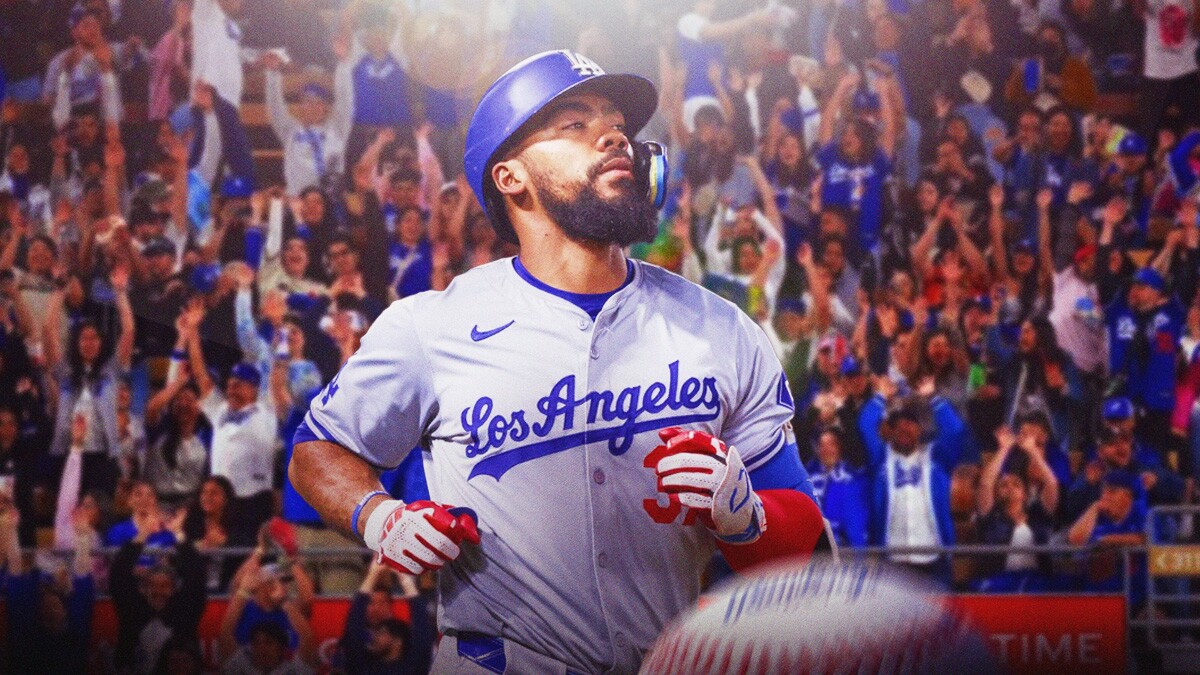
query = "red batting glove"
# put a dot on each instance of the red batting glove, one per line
(710, 478)
(420, 536)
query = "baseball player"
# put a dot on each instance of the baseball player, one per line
(591, 426)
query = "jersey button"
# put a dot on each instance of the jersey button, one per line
(602, 560)
(598, 476)
(583, 324)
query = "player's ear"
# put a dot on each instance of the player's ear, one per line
(510, 177)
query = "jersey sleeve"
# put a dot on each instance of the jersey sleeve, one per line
(758, 423)
(381, 402)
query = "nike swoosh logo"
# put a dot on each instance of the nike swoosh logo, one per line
(733, 497)
(478, 335)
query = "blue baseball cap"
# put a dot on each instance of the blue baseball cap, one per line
(237, 187)
(792, 120)
(78, 13)
(1117, 409)
(247, 373)
(1025, 245)
(318, 91)
(865, 101)
(204, 277)
(1132, 144)
(1148, 276)
(791, 304)
(1122, 479)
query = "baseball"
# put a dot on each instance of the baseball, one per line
(823, 617)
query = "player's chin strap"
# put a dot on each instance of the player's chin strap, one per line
(650, 168)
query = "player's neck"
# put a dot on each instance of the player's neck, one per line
(575, 267)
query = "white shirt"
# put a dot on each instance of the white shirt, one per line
(217, 50)
(1079, 336)
(243, 444)
(240, 664)
(1020, 562)
(313, 151)
(1170, 45)
(911, 521)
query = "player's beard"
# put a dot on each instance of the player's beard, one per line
(624, 219)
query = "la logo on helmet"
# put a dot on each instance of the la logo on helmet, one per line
(583, 65)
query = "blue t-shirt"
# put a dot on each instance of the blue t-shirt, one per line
(857, 187)
(414, 265)
(254, 615)
(380, 92)
(696, 55)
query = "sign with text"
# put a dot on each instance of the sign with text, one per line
(1174, 561)
(1052, 633)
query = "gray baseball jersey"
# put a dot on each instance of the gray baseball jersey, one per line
(543, 421)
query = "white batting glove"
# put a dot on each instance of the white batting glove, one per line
(420, 536)
(709, 477)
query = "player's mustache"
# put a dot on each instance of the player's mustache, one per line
(596, 169)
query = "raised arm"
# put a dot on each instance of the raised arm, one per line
(177, 375)
(341, 116)
(716, 78)
(306, 648)
(119, 278)
(766, 193)
(278, 114)
(671, 98)
(891, 110)
(194, 314)
(1081, 531)
(52, 331)
(837, 102)
(971, 256)
(1045, 255)
(177, 150)
(226, 639)
(985, 494)
(996, 227)
(1043, 476)
(114, 171)
(723, 30)
(919, 253)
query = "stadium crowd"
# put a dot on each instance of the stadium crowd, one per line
(969, 227)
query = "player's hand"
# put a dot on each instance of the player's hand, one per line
(710, 478)
(420, 536)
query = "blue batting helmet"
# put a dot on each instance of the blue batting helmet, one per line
(525, 89)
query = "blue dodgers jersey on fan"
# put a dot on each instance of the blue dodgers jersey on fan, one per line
(543, 422)
(1150, 376)
(857, 187)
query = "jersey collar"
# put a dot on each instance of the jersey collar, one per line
(577, 302)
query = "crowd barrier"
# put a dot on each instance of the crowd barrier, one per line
(1029, 632)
